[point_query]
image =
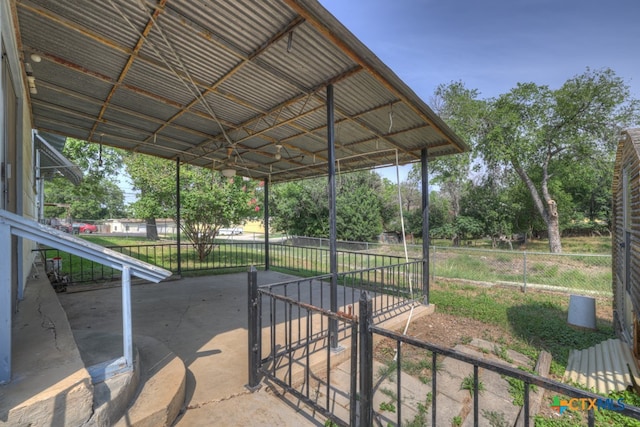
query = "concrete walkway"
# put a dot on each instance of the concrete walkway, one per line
(203, 321)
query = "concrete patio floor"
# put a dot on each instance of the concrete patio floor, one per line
(203, 320)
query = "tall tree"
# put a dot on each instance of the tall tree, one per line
(154, 178)
(359, 205)
(209, 202)
(463, 111)
(533, 128)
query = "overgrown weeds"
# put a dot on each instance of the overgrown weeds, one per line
(536, 320)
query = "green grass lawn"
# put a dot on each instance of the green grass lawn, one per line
(118, 241)
(537, 320)
(575, 245)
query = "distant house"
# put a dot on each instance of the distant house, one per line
(626, 239)
(138, 226)
(125, 225)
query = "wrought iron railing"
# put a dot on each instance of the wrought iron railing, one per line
(316, 259)
(287, 360)
(224, 256)
(289, 342)
(569, 397)
(228, 255)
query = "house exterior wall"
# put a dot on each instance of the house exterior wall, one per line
(28, 191)
(626, 280)
(16, 144)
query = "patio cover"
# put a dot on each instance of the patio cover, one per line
(52, 159)
(221, 84)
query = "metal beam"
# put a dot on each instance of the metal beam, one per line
(424, 163)
(365, 62)
(333, 253)
(127, 66)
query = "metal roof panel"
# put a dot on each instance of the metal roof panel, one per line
(196, 78)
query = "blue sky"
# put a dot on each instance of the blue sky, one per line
(492, 45)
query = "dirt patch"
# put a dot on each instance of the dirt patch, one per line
(448, 330)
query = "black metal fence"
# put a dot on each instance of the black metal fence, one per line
(299, 359)
(584, 401)
(228, 255)
(75, 270)
(289, 345)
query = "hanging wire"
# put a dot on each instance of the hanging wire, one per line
(391, 124)
(404, 241)
(193, 89)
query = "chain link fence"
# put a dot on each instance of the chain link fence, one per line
(588, 274)
(572, 273)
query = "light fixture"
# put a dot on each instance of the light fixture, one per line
(32, 85)
(35, 57)
(228, 172)
(278, 156)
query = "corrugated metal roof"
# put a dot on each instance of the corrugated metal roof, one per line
(219, 82)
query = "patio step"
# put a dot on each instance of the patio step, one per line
(151, 395)
(162, 389)
(603, 367)
(112, 396)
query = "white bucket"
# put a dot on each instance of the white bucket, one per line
(582, 311)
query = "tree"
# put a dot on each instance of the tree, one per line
(154, 178)
(208, 200)
(461, 109)
(359, 206)
(488, 202)
(98, 196)
(533, 128)
(302, 208)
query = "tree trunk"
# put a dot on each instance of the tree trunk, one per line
(152, 229)
(549, 213)
(553, 228)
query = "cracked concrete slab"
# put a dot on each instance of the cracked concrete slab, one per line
(50, 385)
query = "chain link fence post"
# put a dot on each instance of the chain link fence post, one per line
(524, 270)
(433, 264)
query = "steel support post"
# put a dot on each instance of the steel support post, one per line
(179, 252)
(424, 163)
(127, 325)
(254, 330)
(267, 259)
(6, 306)
(333, 253)
(366, 361)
